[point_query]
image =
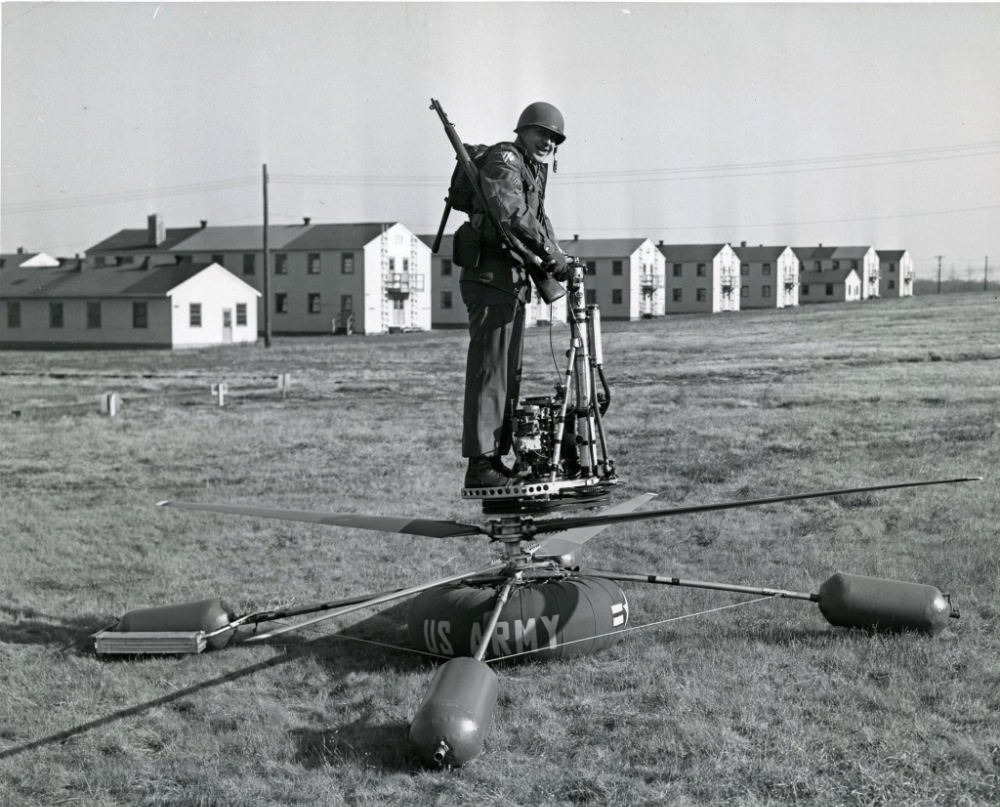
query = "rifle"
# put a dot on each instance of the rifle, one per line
(549, 289)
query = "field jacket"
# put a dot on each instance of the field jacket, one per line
(514, 187)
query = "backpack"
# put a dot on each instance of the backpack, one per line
(461, 195)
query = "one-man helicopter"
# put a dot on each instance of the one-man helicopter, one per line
(534, 600)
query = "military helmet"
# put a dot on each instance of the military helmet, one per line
(544, 115)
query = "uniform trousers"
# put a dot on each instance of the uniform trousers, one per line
(493, 367)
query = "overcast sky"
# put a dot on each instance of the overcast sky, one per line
(847, 124)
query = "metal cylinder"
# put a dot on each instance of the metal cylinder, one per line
(451, 724)
(205, 615)
(594, 331)
(854, 601)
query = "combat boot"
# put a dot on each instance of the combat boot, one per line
(482, 473)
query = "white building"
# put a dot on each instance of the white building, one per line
(177, 305)
(700, 278)
(829, 286)
(769, 276)
(862, 260)
(370, 278)
(895, 273)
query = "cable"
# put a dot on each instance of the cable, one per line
(630, 629)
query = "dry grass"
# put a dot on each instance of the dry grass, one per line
(759, 704)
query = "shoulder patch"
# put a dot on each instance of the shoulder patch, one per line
(509, 157)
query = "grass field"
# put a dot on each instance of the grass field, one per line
(761, 703)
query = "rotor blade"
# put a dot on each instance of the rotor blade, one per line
(379, 600)
(426, 527)
(565, 543)
(559, 524)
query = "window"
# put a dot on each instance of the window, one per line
(591, 267)
(836, 265)
(446, 267)
(347, 263)
(100, 260)
(194, 315)
(314, 304)
(124, 260)
(249, 263)
(744, 268)
(701, 270)
(805, 289)
(829, 290)
(892, 285)
(677, 295)
(446, 300)
(817, 265)
(765, 269)
(892, 268)
(765, 291)
(140, 315)
(699, 295)
(219, 259)
(744, 291)
(392, 264)
(94, 314)
(55, 315)
(241, 313)
(616, 296)
(406, 264)
(313, 263)
(13, 313)
(281, 263)
(591, 296)
(616, 267)
(854, 265)
(346, 302)
(677, 270)
(281, 303)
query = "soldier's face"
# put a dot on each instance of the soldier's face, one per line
(538, 142)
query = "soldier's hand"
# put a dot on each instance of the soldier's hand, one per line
(558, 266)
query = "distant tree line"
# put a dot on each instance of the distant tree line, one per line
(954, 286)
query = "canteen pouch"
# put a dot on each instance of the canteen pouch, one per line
(465, 246)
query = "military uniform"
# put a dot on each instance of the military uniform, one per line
(495, 292)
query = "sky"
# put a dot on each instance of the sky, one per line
(843, 124)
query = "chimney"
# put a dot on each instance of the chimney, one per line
(204, 223)
(156, 231)
(306, 220)
(20, 250)
(743, 243)
(660, 243)
(576, 237)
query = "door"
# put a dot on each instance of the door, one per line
(398, 312)
(227, 325)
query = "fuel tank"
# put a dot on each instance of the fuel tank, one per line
(450, 726)
(854, 601)
(556, 618)
(203, 615)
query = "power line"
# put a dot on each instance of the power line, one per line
(721, 171)
(119, 197)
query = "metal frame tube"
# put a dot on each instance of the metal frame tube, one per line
(675, 581)
(491, 626)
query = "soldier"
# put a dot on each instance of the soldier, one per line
(496, 287)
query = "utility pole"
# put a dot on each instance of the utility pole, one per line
(939, 257)
(267, 272)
